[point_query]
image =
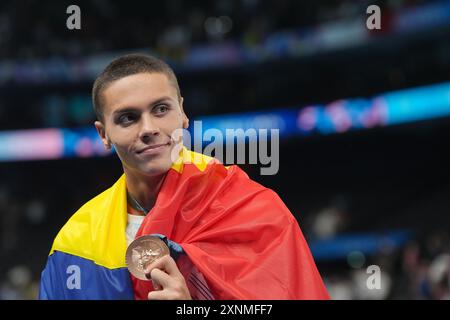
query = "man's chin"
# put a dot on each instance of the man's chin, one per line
(155, 169)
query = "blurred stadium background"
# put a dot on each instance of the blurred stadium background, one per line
(364, 119)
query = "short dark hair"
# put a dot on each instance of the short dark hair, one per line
(124, 66)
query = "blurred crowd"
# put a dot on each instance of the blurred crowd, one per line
(36, 29)
(17, 281)
(419, 270)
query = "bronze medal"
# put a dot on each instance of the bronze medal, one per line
(142, 252)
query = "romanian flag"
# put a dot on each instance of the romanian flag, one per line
(232, 238)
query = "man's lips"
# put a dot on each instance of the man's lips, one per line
(151, 148)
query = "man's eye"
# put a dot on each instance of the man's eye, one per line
(126, 118)
(161, 109)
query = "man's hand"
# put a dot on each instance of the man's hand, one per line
(168, 282)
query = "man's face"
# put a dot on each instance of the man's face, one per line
(141, 112)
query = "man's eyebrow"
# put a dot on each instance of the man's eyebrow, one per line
(162, 99)
(135, 109)
(125, 110)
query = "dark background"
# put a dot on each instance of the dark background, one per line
(371, 181)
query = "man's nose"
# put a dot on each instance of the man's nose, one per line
(149, 128)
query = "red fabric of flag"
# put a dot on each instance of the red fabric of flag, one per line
(238, 233)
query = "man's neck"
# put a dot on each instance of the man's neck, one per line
(143, 188)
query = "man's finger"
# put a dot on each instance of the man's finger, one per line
(155, 285)
(164, 295)
(158, 295)
(160, 278)
(166, 264)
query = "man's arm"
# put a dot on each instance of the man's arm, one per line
(47, 285)
(70, 277)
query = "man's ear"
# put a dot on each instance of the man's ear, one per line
(102, 133)
(185, 118)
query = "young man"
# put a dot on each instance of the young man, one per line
(229, 237)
